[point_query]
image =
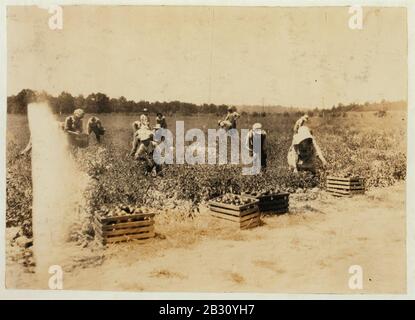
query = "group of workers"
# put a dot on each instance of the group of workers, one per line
(73, 126)
(302, 152)
(301, 155)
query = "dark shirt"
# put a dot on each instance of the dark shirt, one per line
(162, 122)
(306, 150)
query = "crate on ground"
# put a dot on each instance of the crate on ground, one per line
(137, 225)
(240, 210)
(271, 201)
(345, 186)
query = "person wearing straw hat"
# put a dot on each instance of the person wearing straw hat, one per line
(257, 130)
(304, 148)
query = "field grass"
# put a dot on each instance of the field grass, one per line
(359, 143)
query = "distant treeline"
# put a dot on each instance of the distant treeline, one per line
(65, 103)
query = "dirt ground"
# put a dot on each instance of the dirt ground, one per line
(308, 250)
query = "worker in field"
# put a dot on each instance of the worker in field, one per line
(143, 149)
(303, 151)
(95, 125)
(257, 131)
(161, 120)
(73, 123)
(73, 126)
(144, 119)
(300, 122)
(232, 116)
(144, 122)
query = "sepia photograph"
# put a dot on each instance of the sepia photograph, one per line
(208, 149)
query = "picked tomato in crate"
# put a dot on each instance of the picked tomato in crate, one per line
(240, 210)
(123, 224)
(345, 186)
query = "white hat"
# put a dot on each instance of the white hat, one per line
(145, 110)
(302, 134)
(257, 126)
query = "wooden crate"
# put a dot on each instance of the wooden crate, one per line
(273, 202)
(245, 216)
(138, 227)
(349, 186)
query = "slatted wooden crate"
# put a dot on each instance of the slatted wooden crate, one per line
(111, 229)
(272, 202)
(243, 215)
(340, 186)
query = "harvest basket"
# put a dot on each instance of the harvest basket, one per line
(240, 210)
(345, 186)
(269, 202)
(111, 229)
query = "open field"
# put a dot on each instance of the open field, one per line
(319, 239)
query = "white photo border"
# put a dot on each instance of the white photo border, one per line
(81, 294)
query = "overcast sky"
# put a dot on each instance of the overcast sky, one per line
(287, 56)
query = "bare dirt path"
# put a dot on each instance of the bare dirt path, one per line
(309, 250)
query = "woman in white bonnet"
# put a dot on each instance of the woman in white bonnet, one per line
(303, 150)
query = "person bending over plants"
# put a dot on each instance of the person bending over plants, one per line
(303, 151)
(143, 149)
(94, 125)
